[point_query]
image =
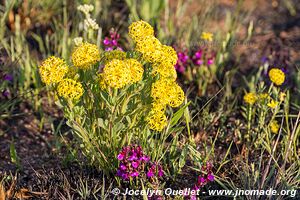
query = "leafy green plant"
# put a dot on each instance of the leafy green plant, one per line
(124, 102)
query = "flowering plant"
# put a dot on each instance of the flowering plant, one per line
(198, 65)
(134, 163)
(263, 104)
(114, 98)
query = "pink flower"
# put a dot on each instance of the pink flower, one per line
(120, 156)
(135, 164)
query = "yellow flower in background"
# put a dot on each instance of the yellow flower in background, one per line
(274, 126)
(85, 55)
(207, 36)
(273, 104)
(53, 70)
(70, 89)
(282, 96)
(136, 70)
(140, 29)
(114, 54)
(277, 76)
(263, 96)
(250, 98)
(116, 73)
(156, 120)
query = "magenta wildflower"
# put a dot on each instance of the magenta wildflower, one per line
(150, 173)
(210, 61)
(111, 42)
(182, 61)
(120, 156)
(210, 177)
(134, 163)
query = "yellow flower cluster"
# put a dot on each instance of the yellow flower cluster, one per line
(277, 76)
(53, 70)
(114, 54)
(165, 91)
(250, 98)
(274, 126)
(140, 29)
(70, 89)
(118, 73)
(164, 70)
(85, 55)
(156, 120)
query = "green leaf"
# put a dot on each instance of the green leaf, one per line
(176, 117)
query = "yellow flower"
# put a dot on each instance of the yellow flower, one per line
(70, 89)
(176, 96)
(250, 98)
(276, 76)
(53, 70)
(263, 96)
(136, 70)
(273, 104)
(150, 48)
(282, 96)
(207, 36)
(164, 70)
(169, 55)
(139, 30)
(85, 55)
(274, 126)
(156, 120)
(116, 73)
(167, 92)
(114, 54)
(158, 106)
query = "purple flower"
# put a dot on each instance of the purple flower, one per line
(120, 156)
(160, 173)
(134, 174)
(106, 41)
(202, 180)
(133, 157)
(8, 77)
(150, 173)
(146, 158)
(210, 61)
(198, 54)
(6, 93)
(135, 164)
(198, 62)
(111, 42)
(114, 42)
(123, 167)
(210, 177)
(109, 49)
(125, 176)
